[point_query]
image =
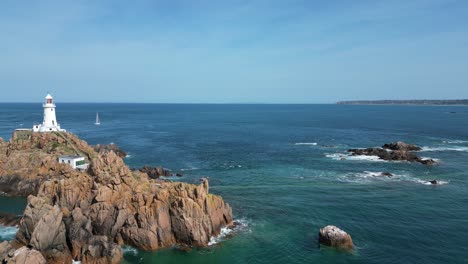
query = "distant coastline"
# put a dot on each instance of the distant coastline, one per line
(405, 102)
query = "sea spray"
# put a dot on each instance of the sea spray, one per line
(8, 232)
(240, 225)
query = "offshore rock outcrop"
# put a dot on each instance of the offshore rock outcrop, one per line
(332, 236)
(86, 216)
(398, 151)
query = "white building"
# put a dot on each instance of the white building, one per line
(76, 162)
(49, 122)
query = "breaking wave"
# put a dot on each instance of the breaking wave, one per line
(306, 144)
(8, 232)
(372, 176)
(343, 156)
(456, 141)
(454, 148)
(129, 250)
(240, 225)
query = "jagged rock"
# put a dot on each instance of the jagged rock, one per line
(110, 147)
(22, 255)
(385, 173)
(8, 219)
(399, 145)
(85, 216)
(401, 152)
(156, 172)
(334, 237)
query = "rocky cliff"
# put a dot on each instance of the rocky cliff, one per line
(86, 216)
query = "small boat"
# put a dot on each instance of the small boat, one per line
(97, 120)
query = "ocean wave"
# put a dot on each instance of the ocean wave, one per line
(8, 232)
(240, 225)
(189, 169)
(128, 156)
(372, 176)
(454, 148)
(347, 156)
(129, 250)
(306, 144)
(455, 141)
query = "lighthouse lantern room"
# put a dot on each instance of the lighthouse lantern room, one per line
(49, 123)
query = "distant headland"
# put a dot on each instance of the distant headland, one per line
(406, 102)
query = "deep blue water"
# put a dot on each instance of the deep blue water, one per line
(284, 191)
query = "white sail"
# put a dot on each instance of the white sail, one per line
(97, 119)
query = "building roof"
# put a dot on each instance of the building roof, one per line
(48, 96)
(70, 157)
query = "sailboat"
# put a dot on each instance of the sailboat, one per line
(97, 120)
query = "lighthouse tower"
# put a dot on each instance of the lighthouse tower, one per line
(49, 122)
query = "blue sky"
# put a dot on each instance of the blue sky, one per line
(197, 51)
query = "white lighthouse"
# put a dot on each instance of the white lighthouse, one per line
(49, 122)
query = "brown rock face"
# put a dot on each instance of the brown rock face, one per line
(110, 147)
(334, 237)
(156, 172)
(22, 255)
(86, 216)
(8, 219)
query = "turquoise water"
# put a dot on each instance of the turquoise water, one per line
(283, 190)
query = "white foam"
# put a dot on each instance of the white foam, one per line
(306, 144)
(128, 156)
(454, 148)
(76, 261)
(342, 156)
(129, 250)
(428, 183)
(8, 232)
(371, 176)
(216, 239)
(456, 141)
(189, 169)
(242, 225)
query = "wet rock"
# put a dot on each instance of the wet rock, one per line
(399, 145)
(387, 174)
(334, 237)
(398, 151)
(8, 219)
(435, 182)
(155, 172)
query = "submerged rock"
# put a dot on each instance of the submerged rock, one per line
(387, 174)
(334, 237)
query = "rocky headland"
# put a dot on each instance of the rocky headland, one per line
(87, 215)
(398, 151)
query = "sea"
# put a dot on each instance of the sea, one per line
(285, 171)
